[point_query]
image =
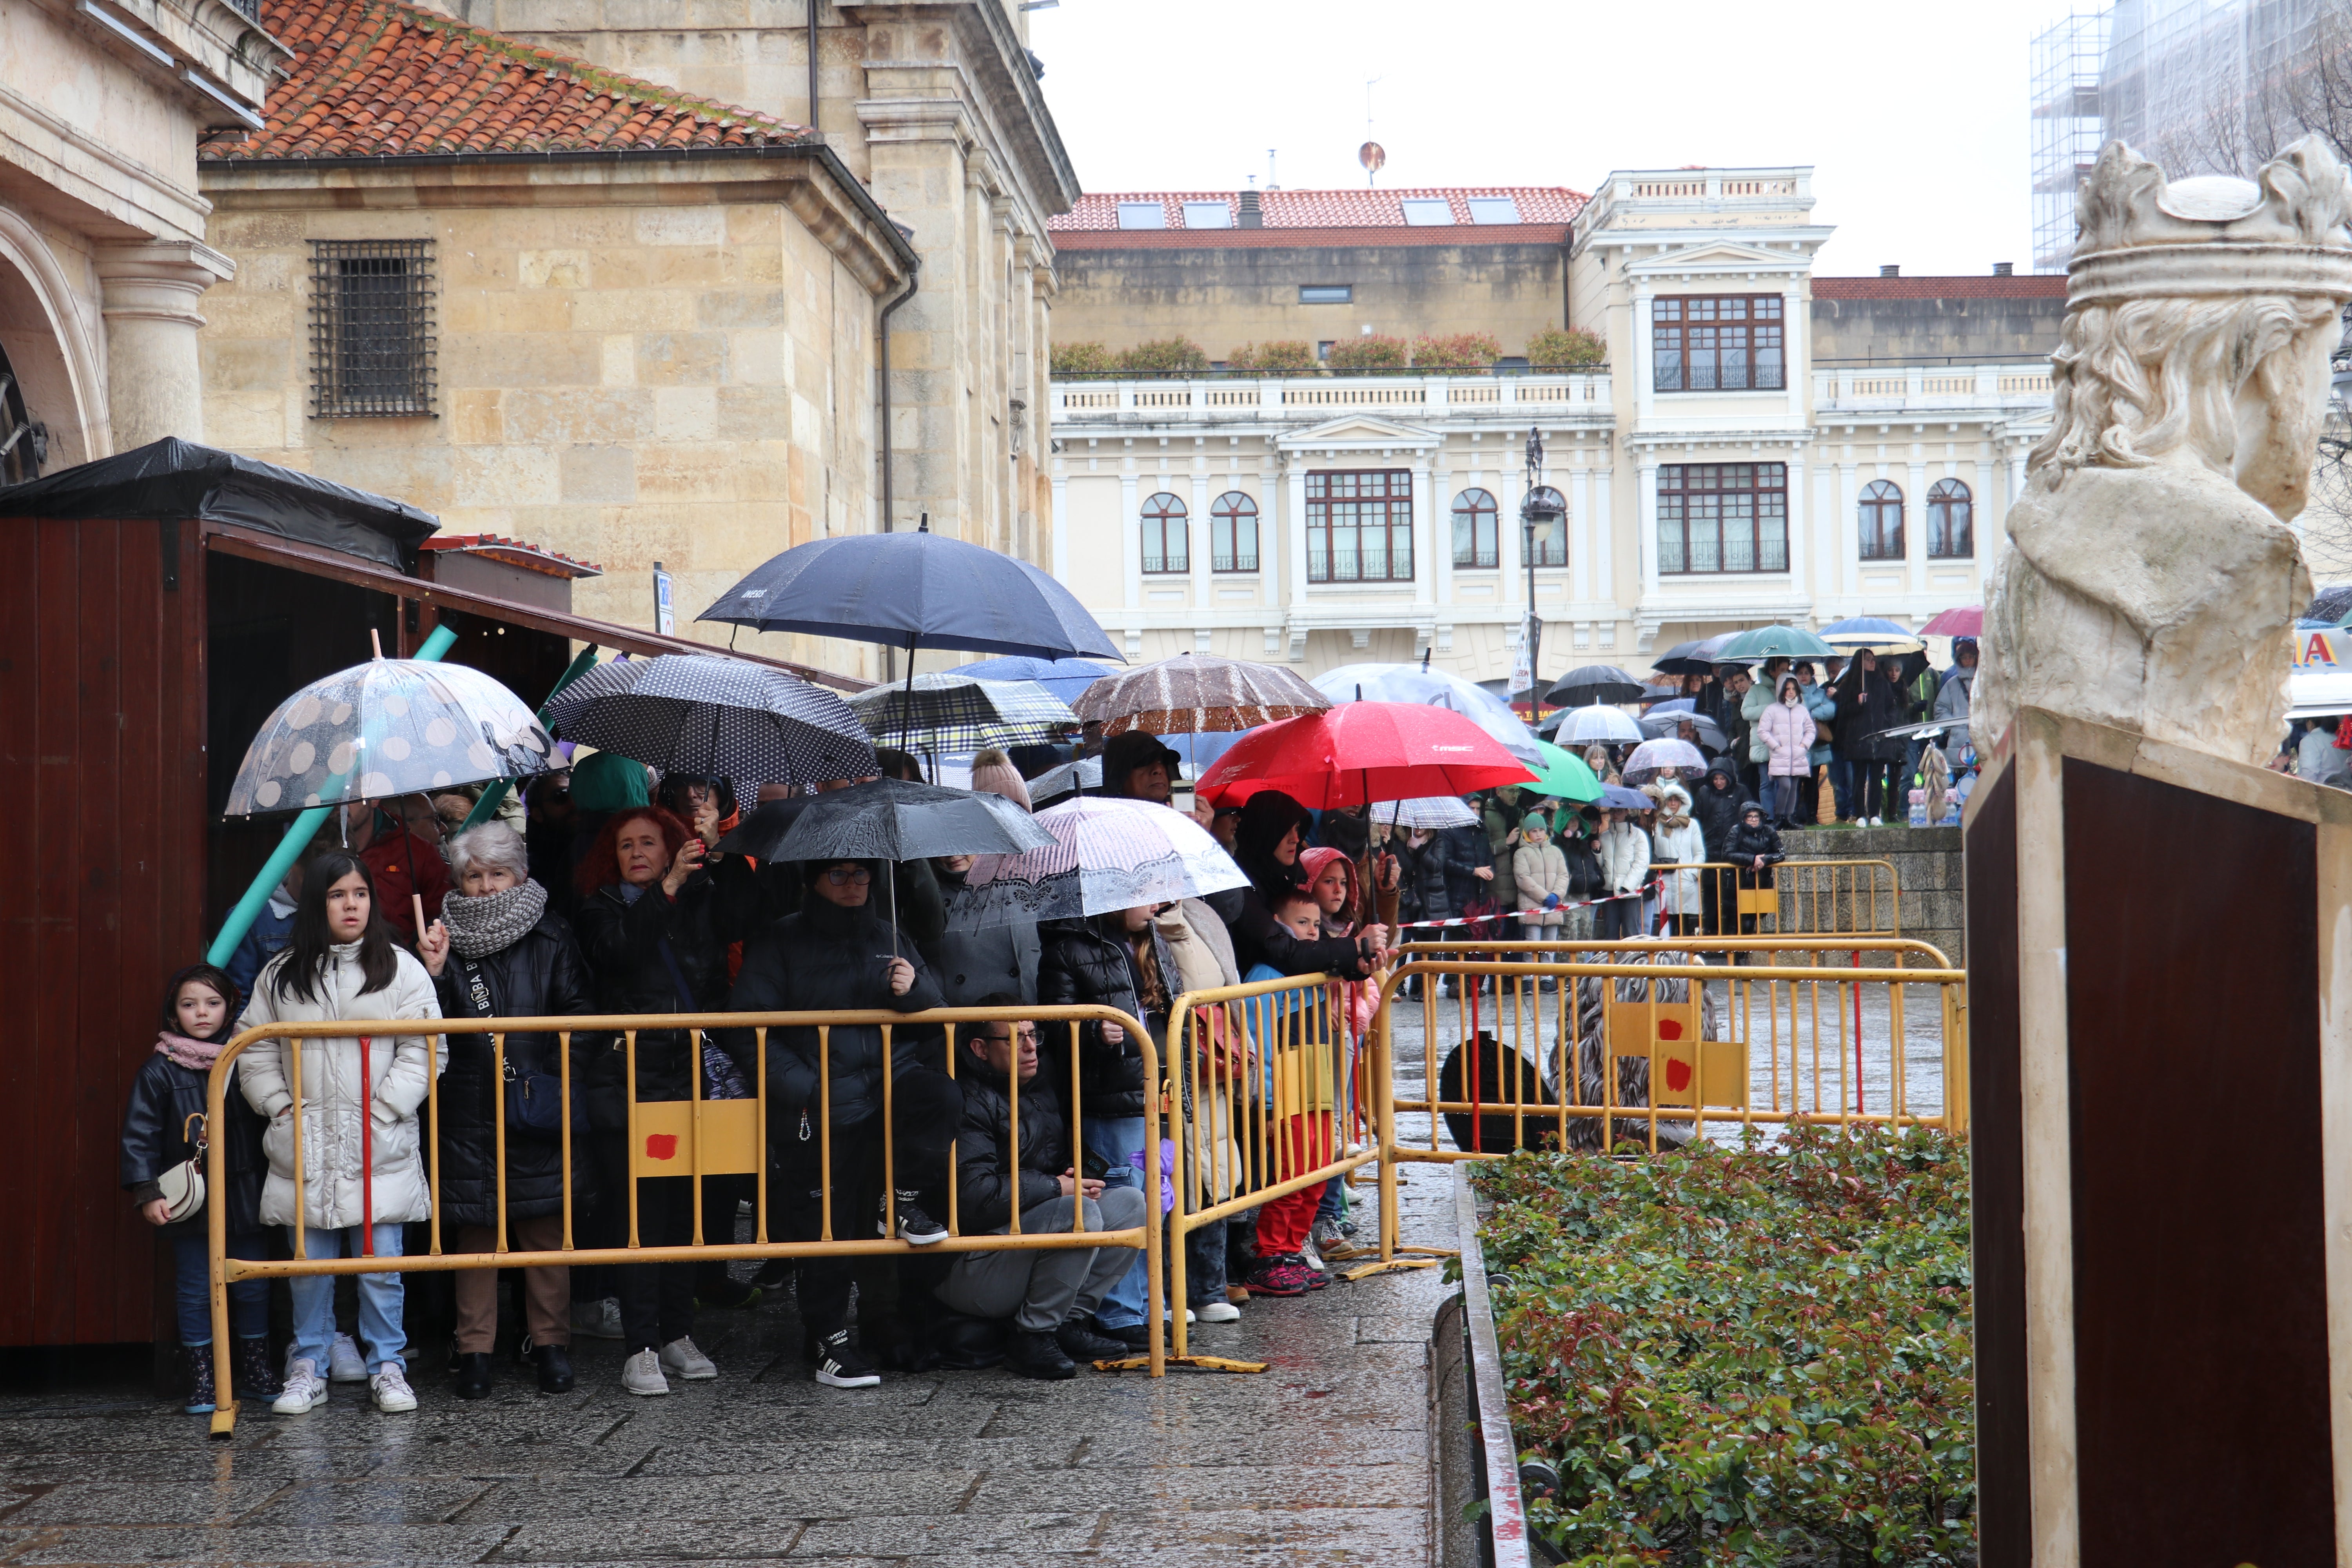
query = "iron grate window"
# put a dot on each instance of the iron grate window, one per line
(372, 339)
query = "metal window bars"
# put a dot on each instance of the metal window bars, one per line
(372, 340)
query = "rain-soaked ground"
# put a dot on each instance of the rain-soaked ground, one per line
(1323, 1459)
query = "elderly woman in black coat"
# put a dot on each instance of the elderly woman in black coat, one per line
(507, 956)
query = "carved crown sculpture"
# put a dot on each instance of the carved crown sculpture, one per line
(2283, 232)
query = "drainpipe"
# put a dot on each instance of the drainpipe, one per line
(914, 280)
(812, 54)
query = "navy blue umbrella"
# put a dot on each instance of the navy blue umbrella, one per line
(914, 590)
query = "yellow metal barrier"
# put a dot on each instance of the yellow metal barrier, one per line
(691, 1138)
(1638, 1043)
(1802, 897)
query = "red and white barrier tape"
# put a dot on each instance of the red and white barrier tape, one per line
(1643, 892)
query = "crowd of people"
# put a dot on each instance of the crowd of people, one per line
(604, 893)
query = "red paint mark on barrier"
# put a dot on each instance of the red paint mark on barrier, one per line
(1679, 1074)
(661, 1146)
(1670, 1028)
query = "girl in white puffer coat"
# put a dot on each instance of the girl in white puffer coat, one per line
(362, 1159)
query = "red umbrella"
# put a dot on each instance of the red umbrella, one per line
(1363, 752)
(1962, 623)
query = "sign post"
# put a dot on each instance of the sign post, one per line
(665, 617)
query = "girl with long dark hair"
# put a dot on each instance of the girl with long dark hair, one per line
(363, 1174)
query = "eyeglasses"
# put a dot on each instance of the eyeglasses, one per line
(845, 876)
(1026, 1033)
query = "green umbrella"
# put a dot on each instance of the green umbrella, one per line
(1564, 775)
(1774, 642)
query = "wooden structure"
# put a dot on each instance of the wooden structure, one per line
(2161, 945)
(155, 607)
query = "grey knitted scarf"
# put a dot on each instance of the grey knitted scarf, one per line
(484, 925)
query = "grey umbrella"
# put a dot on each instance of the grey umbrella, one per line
(717, 718)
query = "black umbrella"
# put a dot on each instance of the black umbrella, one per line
(716, 718)
(1692, 657)
(885, 819)
(1593, 683)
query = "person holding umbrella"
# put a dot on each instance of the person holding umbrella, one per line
(1625, 853)
(836, 955)
(648, 927)
(1272, 831)
(1867, 705)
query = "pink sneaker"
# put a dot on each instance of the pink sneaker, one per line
(1284, 1276)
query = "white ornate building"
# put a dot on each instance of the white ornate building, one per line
(1761, 445)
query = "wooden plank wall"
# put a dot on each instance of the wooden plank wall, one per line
(101, 654)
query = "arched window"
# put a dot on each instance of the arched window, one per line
(1474, 529)
(1167, 540)
(1232, 533)
(1553, 550)
(1882, 521)
(1951, 521)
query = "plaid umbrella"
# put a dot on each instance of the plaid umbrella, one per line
(388, 727)
(1433, 812)
(1105, 855)
(719, 718)
(1193, 693)
(947, 712)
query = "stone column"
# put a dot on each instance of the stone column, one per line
(1580, 539)
(1605, 564)
(154, 383)
(1200, 534)
(1061, 523)
(1849, 527)
(1424, 536)
(1294, 531)
(1915, 529)
(1798, 512)
(1647, 524)
(1978, 503)
(1130, 538)
(1441, 510)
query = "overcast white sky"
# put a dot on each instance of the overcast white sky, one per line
(1913, 116)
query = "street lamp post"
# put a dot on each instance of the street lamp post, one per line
(1538, 515)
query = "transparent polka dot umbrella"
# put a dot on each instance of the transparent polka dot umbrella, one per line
(388, 727)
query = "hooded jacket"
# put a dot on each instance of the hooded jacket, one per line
(1428, 890)
(1747, 843)
(1540, 873)
(1952, 705)
(1788, 732)
(358, 1131)
(1681, 842)
(1625, 851)
(1258, 937)
(828, 958)
(1716, 805)
(1822, 708)
(1078, 962)
(1867, 702)
(622, 939)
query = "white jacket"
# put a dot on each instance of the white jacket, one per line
(1625, 857)
(334, 1100)
(1683, 845)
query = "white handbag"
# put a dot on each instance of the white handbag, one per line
(182, 1186)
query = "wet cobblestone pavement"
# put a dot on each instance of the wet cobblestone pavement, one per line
(1323, 1459)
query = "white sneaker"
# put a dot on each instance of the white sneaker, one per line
(681, 1357)
(392, 1395)
(343, 1362)
(305, 1389)
(1308, 1255)
(1326, 1234)
(1219, 1312)
(597, 1320)
(642, 1373)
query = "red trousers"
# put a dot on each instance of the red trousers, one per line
(1283, 1223)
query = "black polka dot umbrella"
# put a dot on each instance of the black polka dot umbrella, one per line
(389, 727)
(716, 718)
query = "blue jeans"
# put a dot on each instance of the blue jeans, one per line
(381, 1336)
(249, 1299)
(1111, 1140)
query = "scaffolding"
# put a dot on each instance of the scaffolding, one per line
(2067, 60)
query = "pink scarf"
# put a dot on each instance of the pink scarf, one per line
(196, 1055)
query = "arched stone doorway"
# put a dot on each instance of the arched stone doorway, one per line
(49, 357)
(24, 440)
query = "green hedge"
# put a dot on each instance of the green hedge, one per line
(1736, 1356)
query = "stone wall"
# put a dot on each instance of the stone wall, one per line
(1929, 876)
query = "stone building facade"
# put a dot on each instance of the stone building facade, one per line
(935, 106)
(1762, 444)
(103, 256)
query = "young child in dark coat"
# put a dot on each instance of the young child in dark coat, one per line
(164, 1125)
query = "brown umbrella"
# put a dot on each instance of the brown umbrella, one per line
(1197, 694)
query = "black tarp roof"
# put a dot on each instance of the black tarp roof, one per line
(176, 479)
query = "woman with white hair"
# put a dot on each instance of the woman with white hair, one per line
(508, 956)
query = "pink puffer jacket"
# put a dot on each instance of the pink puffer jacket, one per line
(1788, 732)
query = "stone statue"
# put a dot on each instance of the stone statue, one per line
(2150, 581)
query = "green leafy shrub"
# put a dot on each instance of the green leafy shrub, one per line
(1462, 351)
(1083, 359)
(1165, 354)
(1743, 1357)
(1284, 355)
(1555, 346)
(1370, 352)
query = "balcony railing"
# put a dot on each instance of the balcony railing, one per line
(2018, 386)
(1311, 397)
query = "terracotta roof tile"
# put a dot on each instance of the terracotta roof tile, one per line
(377, 79)
(1325, 209)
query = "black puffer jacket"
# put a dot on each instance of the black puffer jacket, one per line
(986, 1179)
(155, 1138)
(1716, 803)
(1347, 832)
(828, 958)
(1079, 963)
(622, 941)
(1584, 878)
(1747, 843)
(1867, 702)
(1428, 890)
(540, 975)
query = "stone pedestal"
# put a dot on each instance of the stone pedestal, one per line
(2160, 951)
(153, 376)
